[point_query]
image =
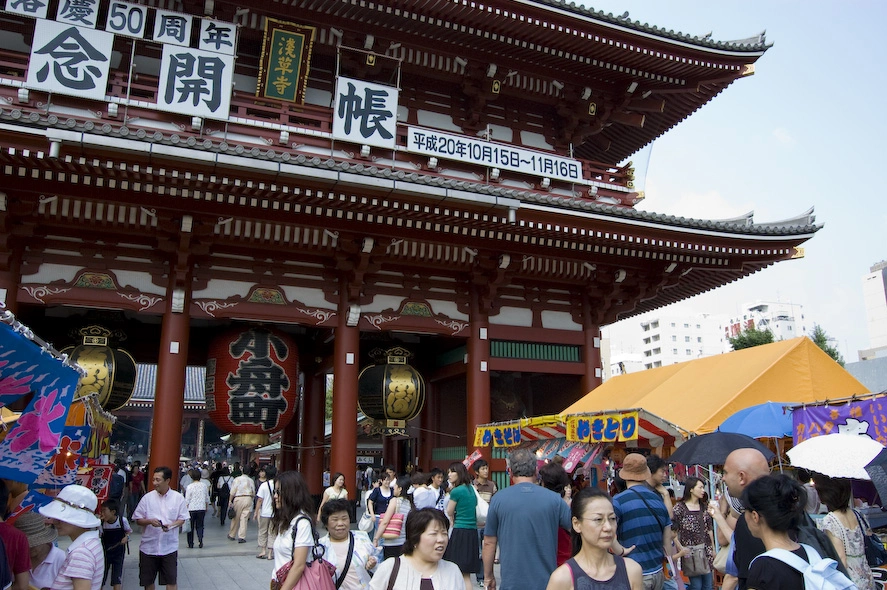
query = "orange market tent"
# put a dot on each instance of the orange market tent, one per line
(698, 395)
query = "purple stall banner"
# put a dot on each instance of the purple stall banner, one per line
(866, 417)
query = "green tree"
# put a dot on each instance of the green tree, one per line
(751, 337)
(328, 411)
(821, 339)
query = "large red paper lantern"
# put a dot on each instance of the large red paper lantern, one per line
(252, 380)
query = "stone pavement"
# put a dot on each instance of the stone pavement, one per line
(220, 564)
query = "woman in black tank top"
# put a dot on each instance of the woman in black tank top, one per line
(593, 566)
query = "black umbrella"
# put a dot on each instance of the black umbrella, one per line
(713, 448)
(877, 470)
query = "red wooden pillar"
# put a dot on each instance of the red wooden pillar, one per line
(425, 437)
(169, 394)
(591, 349)
(346, 353)
(478, 373)
(312, 433)
(10, 277)
(290, 455)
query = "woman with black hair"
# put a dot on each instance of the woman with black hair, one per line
(844, 528)
(774, 511)
(336, 491)
(556, 479)
(463, 549)
(694, 527)
(293, 522)
(593, 564)
(399, 506)
(422, 566)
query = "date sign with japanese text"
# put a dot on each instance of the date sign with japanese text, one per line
(604, 428)
(493, 155)
(500, 435)
(365, 113)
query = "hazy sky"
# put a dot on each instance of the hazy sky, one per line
(807, 130)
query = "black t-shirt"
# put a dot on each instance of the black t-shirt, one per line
(768, 573)
(746, 547)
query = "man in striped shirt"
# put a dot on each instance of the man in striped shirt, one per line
(642, 520)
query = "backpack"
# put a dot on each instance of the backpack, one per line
(809, 534)
(821, 573)
(225, 490)
(116, 489)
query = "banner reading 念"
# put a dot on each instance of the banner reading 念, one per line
(866, 417)
(286, 56)
(622, 426)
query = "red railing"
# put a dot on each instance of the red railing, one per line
(251, 116)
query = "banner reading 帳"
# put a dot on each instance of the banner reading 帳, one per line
(862, 418)
(286, 58)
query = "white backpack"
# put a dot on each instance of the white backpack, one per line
(821, 573)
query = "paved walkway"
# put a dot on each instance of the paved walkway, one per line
(220, 564)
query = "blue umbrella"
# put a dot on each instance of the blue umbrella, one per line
(763, 420)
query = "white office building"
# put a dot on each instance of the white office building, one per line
(664, 338)
(874, 293)
(785, 320)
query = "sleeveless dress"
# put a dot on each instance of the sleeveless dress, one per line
(582, 581)
(854, 549)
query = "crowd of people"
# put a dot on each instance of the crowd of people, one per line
(436, 530)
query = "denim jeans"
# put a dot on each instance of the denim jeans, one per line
(702, 582)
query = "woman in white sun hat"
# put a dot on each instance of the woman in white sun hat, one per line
(72, 513)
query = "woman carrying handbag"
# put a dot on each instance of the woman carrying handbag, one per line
(694, 527)
(298, 557)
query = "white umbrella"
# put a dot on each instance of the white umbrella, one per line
(836, 455)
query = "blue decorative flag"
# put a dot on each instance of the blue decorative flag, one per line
(30, 503)
(35, 437)
(61, 469)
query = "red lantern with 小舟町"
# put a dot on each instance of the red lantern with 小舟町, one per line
(252, 382)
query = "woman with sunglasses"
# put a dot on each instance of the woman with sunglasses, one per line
(593, 564)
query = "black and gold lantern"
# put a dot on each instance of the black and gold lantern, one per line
(391, 393)
(110, 372)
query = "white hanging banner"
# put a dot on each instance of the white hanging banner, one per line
(70, 60)
(365, 113)
(217, 36)
(172, 27)
(125, 18)
(82, 13)
(195, 82)
(34, 8)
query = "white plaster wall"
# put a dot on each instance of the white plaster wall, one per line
(138, 280)
(309, 297)
(447, 308)
(48, 273)
(559, 320)
(437, 121)
(223, 289)
(381, 303)
(513, 316)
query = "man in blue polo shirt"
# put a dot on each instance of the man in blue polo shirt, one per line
(642, 520)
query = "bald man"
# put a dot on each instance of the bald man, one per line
(742, 467)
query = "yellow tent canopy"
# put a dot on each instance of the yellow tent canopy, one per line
(698, 395)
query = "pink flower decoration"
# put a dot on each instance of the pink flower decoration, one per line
(35, 426)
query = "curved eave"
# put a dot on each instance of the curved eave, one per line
(600, 18)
